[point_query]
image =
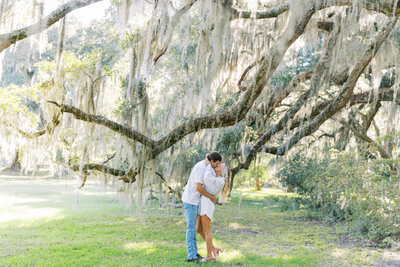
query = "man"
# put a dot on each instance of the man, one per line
(191, 198)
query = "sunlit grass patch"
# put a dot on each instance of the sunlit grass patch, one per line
(148, 247)
(233, 255)
(26, 214)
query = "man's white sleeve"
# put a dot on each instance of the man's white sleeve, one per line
(213, 184)
(197, 175)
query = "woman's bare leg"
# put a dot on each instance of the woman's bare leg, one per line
(200, 230)
(200, 227)
(206, 223)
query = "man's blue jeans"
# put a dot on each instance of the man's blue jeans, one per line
(191, 219)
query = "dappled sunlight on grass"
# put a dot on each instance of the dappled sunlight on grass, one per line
(235, 226)
(131, 219)
(265, 191)
(231, 255)
(7, 200)
(23, 210)
(147, 247)
(338, 252)
(27, 214)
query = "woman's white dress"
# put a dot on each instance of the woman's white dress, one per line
(213, 185)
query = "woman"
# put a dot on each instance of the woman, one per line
(213, 184)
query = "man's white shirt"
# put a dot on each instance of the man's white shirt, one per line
(191, 195)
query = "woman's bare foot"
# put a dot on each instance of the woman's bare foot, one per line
(216, 252)
(208, 259)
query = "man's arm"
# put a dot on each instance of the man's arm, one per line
(202, 191)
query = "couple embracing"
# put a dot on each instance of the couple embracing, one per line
(205, 181)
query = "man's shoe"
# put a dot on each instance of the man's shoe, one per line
(194, 260)
(199, 257)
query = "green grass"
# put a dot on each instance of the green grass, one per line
(44, 228)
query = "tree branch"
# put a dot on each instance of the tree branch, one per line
(271, 13)
(97, 167)
(36, 134)
(381, 6)
(370, 116)
(170, 30)
(31, 135)
(10, 38)
(359, 132)
(121, 129)
(169, 187)
(109, 158)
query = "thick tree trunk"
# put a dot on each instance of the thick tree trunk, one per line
(15, 164)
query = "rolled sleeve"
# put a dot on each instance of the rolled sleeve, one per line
(198, 176)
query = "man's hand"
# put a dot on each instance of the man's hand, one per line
(212, 198)
(201, 190)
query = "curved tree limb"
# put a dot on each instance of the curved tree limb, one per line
(385, 95)
(93, 166)
(10, 38)
(36, 134)
(361, 133)
(271, 13)
(367, 119)
(169, 187)
(31, 135)
(170, 30)
(381, 6)
(121, 129)
(97, 167)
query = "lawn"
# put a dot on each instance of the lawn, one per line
(41, 225)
